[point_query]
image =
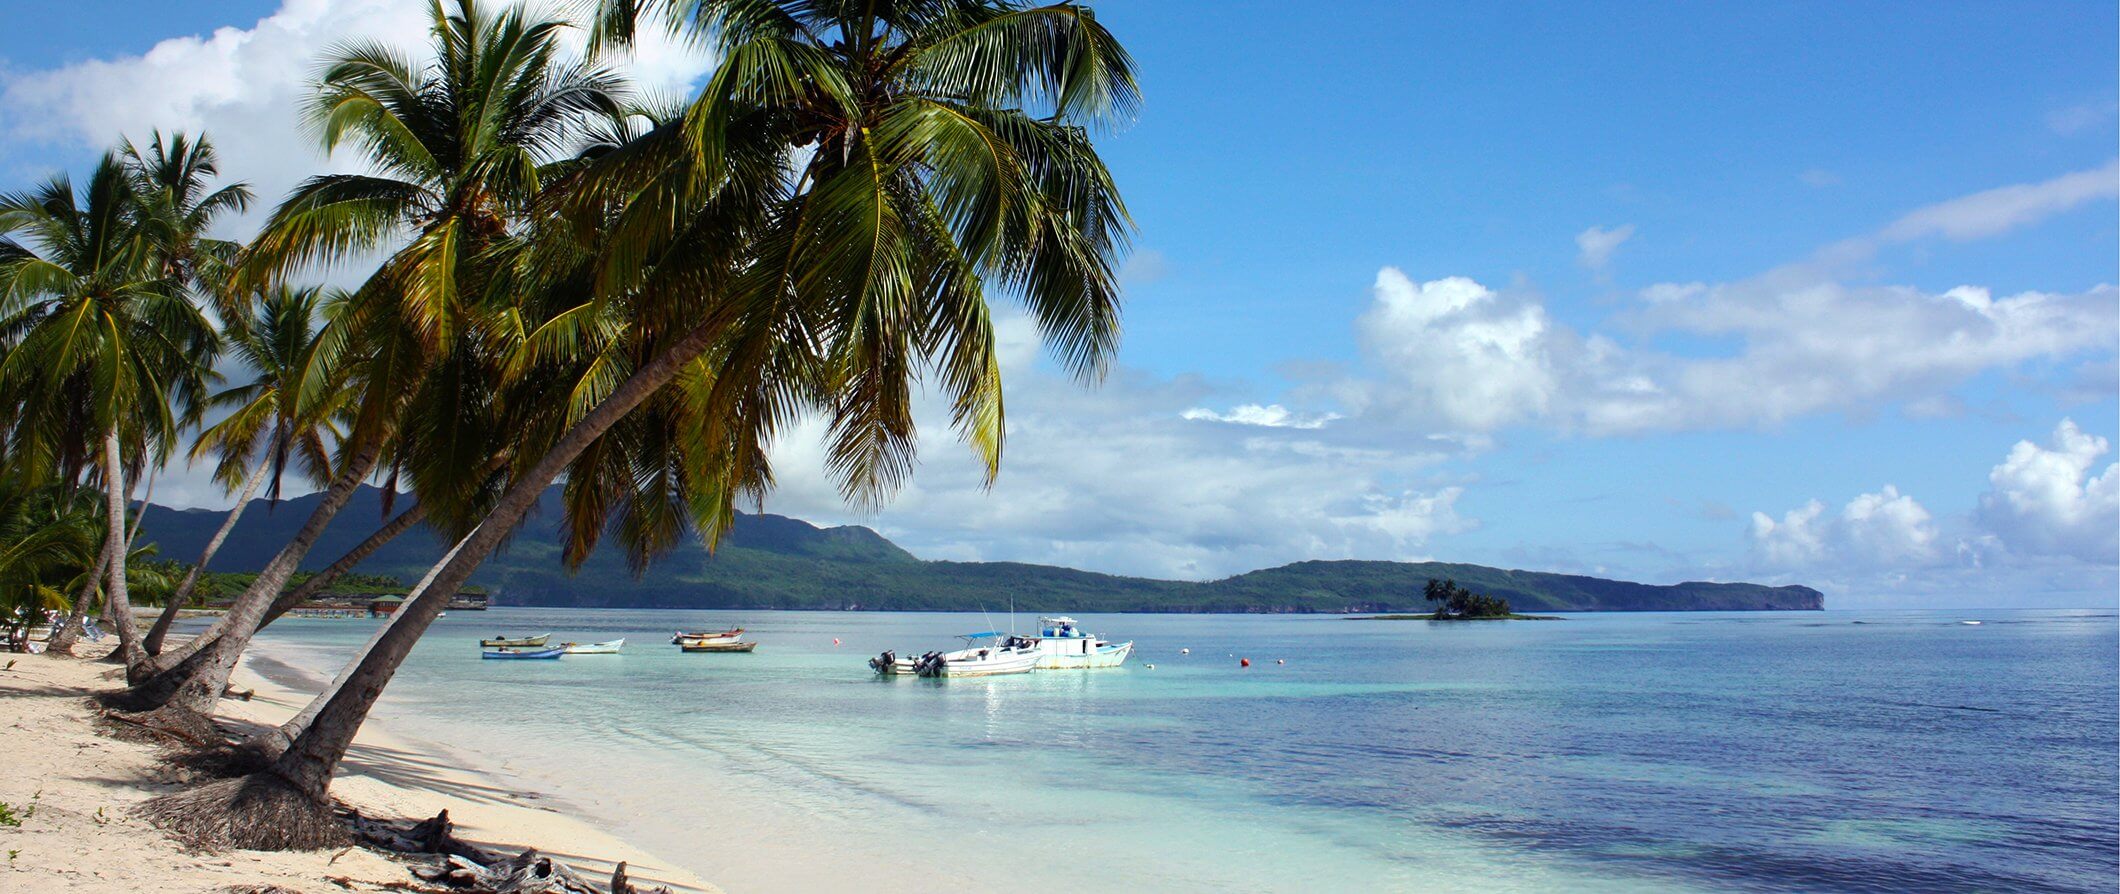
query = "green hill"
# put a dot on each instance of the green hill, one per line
(771, 561)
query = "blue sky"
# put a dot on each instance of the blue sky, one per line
(1371, 220)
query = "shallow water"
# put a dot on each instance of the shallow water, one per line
(1835, 751)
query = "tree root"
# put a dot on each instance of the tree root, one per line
(256, 812)
(166, 725)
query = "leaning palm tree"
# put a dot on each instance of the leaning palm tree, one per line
(949, 155)
(457, 147)
(286, 414)
(102, 348)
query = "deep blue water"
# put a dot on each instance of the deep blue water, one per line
(1836, 751)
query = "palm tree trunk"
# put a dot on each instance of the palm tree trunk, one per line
(290, 600)
(196, 682)
(316, 584)
(275, 742)
(61, 640)
(179, 599)
(120, 606)
(309, 762)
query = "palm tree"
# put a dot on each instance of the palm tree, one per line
(49, 538)
(457, 147)
(950, 155)
(179, 205)
(101, 346)
(286, 413)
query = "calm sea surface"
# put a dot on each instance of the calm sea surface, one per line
(1836, 751)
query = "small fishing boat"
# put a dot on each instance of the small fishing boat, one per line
(502, 642)
(522, 654)
(1063, 645)
(714, 636)
(725, 646)
(985, 655)
(609, 647)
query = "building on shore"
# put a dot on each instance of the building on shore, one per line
(384, 606)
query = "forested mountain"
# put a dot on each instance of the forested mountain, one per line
(772, 561)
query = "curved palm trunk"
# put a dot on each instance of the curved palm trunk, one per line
(316, 584)
(120, 606)
(275, 742)
(179, 599)
(196, 682)
(61, 641)
(338, 713)
(290, 600)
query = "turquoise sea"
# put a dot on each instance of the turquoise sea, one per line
(1833, 751)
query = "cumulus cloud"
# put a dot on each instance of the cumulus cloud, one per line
(243, 86)
(1595, 246)
(1453, 354)
(1457, 354)
(2050, 499)
(1882, 528)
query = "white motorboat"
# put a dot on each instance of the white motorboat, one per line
(984, 655)
(1061, 644)
(608, 647)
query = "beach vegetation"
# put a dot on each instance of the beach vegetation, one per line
(1453, 602)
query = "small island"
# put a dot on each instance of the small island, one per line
(1456, 603)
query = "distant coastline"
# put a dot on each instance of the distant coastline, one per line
(772, 562)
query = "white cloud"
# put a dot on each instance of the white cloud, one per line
(1596, 245)
(2050, 500)
(1995, 211)
(243, 87)
(1268, 416)
(1885, 529)
(1456, 354)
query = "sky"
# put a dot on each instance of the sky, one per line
(1790, 293)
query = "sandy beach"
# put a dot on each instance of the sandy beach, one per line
(73, 792)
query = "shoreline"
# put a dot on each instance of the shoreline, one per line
(74, 790)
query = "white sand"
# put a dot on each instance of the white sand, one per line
(84, 787)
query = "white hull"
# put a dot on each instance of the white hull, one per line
(605, 648)
(1066, 656)
(994, 666)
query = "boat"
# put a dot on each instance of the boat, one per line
(610, 647)
(1062, 644)
(502, 642)
(520, 654)
(987, 654)
(726, 646)
(715, 636)
(890, 664)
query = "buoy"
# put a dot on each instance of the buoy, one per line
(1243, 662)
(1151, 667)
(835, 640)
(1280, 661)
(1185, 651)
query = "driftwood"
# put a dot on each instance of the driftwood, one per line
(468, 868)
(526, 873)
(435, 835)
(622, 885)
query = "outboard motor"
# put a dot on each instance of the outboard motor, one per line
(882, 663)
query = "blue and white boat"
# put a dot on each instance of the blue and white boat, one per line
(523, 654)
(1062, 644)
